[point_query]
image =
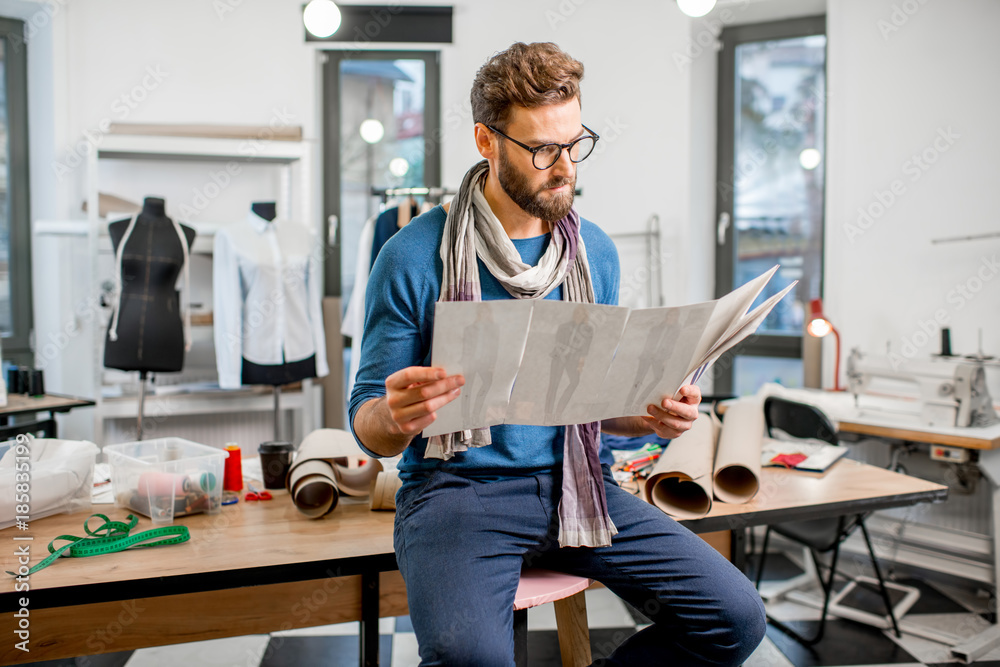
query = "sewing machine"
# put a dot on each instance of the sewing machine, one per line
(951, 391)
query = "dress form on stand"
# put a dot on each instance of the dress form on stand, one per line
(269, 211)
(149, 331)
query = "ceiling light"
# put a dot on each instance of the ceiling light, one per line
(321, 18)
(696, 8)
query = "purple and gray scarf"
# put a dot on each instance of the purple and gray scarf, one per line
(471, 230)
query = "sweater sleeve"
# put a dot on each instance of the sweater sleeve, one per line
(398, 308)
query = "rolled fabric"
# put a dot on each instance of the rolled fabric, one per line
(737, 461)
(315, 479)
(681, 481)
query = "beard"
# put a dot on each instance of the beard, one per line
(549, 208)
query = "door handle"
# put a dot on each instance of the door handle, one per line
(721, 227)
(332, 231)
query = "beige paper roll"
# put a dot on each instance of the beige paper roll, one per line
(737, 461)
(315, 480)
(384, 490)
(681, 481)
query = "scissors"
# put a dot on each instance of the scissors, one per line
(256, 494)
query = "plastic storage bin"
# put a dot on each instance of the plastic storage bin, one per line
(166, 477)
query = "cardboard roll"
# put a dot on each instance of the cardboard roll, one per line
(316, 479)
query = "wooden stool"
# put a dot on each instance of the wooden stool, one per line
(538, 587)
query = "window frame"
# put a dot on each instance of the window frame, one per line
(763, 345)
(331, 138)
(18, 347)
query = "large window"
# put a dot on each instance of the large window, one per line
(772, 120)
(382, 132)
(15, 238)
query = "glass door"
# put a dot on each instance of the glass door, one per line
(382, 123)
(381, 130)
(770, 195)
(15, 239)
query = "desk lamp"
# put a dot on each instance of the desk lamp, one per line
(820, 326)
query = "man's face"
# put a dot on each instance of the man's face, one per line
(546, 194)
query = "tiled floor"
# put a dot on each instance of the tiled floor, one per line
(941, 607)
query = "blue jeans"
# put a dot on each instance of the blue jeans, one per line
(461, 544)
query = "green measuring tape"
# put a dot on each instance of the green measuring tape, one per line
(109, 537)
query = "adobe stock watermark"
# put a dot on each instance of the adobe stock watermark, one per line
(958, 297)
(37, 22)
(914, 167)
(121, 108)
(706, 40)
(563, 10)
(219, 179)
(899, 16)
(749, 161)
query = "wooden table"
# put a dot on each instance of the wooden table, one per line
(262, 567)
(20, 404)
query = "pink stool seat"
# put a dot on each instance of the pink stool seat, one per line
(539, 587)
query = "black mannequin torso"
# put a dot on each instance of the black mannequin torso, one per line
(150, 329)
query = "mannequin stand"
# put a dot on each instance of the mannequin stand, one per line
(277, 413)
(142, 401)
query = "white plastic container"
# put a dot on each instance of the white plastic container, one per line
(166, 477)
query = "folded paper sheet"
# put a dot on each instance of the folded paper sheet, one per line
(549, 363)
(681, 481)
(315, 480)
(737, 459)
(484, 341)
(567, 356)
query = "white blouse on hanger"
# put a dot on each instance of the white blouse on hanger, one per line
(268, 290)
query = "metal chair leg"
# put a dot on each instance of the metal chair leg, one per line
(827, 592)
(881, 581)
(763, 557)
(521, 637)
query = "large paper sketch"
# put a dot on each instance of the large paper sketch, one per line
(653, 356)
(484, 341)
(550, 363)
(567, 355)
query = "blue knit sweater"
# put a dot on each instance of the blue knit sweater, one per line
(404, 284)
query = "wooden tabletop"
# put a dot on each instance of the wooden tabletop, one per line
(967, 438)
(846, 487)
(18, 404)
(250, 542)
(259, 543)
(868, 419)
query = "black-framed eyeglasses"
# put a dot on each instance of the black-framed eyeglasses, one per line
(546, 155)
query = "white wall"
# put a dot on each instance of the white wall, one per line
(889, 96)
(900, 86)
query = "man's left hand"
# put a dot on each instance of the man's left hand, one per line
(671, 418)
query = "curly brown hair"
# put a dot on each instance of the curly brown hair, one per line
(525, 75)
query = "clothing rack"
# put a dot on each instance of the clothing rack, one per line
(387, 193)
(436, 193)
(654, 262)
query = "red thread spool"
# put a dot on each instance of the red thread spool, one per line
(232, 479)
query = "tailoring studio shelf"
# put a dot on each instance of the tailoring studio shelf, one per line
(254, 399)
(132, 147)
(291, 161)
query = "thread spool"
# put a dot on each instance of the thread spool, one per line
(232, 478)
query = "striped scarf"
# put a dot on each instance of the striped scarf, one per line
(472, 231)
